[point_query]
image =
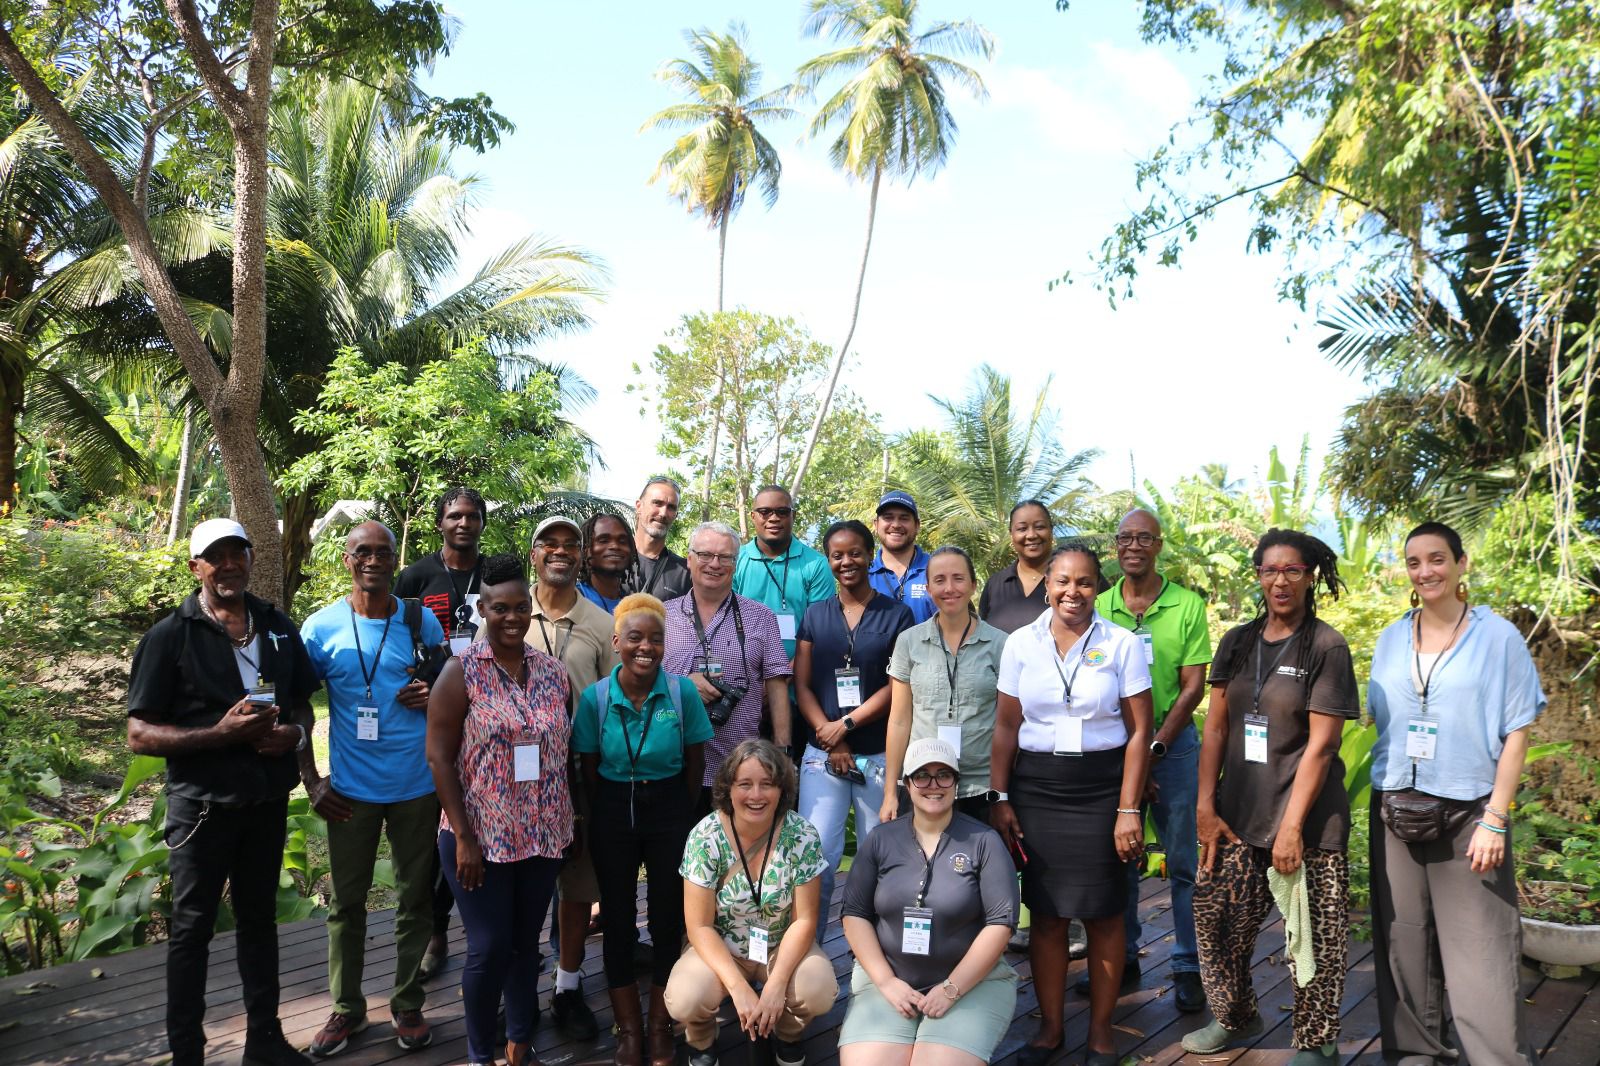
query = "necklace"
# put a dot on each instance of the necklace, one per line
(249, 624)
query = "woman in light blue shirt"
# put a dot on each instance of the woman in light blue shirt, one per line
(1453, 692)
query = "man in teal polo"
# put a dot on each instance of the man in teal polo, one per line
(777, 570)
(1170, 622)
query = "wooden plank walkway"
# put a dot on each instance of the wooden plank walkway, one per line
(67, 1015)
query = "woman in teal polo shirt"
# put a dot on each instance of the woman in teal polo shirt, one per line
(640, 734)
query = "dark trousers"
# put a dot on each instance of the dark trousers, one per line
(210, 845)
(649, 828)
(502, 918)
(444, 900)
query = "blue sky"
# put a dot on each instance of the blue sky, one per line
(1203, 365)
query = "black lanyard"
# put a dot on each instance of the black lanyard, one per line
(850, 631)
(754, 882)
(377, 660)
(1138, 619)
(644, 734)
(1066, 681)
(549, 648)
(952, 663)
(251, 663)
(899, 582)
(458, 599)
(927, 870)
(1261, 653)
(783, 589)
(730, 606)
(1420, 682)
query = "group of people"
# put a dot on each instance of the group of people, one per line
(717, 717)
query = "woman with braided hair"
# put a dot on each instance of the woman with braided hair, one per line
(1275, 828)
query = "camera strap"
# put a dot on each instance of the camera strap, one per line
(693, 611)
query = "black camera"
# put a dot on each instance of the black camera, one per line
(721, 709)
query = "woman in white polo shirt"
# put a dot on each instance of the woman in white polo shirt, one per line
(1071, 745)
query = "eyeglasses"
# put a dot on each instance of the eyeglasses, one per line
(382, 555)
(557, 545)
(713, 557)
(1269, 574)
(768, 512)
(942, 778)
(1141, 538)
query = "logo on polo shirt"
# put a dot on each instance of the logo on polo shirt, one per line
(919, 589)
(1094, 656)
(666, 714)
(959, 862)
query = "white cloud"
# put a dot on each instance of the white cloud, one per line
(1121, 103)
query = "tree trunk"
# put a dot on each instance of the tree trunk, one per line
(722, 258)
(299, 512)
(716, 402)
(180, 495)
(838, 358)
(11, 397)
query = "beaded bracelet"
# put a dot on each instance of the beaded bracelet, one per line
(1502, 815)
(1491, 828)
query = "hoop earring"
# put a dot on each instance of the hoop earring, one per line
(1416, 601)
(1461, 591)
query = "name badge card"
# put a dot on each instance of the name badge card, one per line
(263, 695)
(758, 944)
(951, 735)
(460, 641)
(711, 668)
(1255, 738)
(1422, 736)
(525, 762)
(1149, 642)
(847, 682)
(1069, 736)
(366, 723)
(786, 628)
(916, 931)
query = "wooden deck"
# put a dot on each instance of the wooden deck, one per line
(70, 1015)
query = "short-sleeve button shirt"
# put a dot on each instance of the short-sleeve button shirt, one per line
(711, 860)
(1003, 603)
(922, 662)
(1109, 664)
(655, 733)
(581, 639)
(1179, 635)
(911, 590)
(880, 626)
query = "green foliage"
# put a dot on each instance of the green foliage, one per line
(1516, 562)
(1554, 849)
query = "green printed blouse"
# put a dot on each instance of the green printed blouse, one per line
(711, 860)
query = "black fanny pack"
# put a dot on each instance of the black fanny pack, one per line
(1416, 817)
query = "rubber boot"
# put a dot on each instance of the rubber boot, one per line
(630, 1026)
(663, 1045)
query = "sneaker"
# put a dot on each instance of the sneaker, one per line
(411, 1030)
(573, 1018)
(335, 1036)
(788, 1053)
(1191, 996)
(270, 1048)
(1218, 1037)
(1132, 974)
(697, 1057)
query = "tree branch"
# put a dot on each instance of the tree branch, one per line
(206, 64)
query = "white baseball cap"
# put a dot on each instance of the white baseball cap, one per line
(212, 530)
(556, 520)
(926, 752)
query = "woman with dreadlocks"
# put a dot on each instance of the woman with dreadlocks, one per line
(1276, 827)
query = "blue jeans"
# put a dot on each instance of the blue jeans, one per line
(1177, 781)
(825, 801)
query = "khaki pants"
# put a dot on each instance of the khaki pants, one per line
(694, 993)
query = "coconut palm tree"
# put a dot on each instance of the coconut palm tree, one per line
(891, 113)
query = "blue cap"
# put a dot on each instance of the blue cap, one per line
(898, 498)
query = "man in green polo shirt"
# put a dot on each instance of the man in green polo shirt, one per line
(1170, 622)
(779, 571)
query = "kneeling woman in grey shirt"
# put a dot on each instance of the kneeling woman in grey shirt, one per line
(930, 904)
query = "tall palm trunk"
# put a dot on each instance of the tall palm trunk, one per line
(716, 401)
(11, 396)
(838, 358)
(180, 495)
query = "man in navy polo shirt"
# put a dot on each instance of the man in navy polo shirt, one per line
(900, 569)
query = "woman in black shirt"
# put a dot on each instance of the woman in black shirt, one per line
(1013, 597)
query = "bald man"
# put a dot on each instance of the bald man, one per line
(1170, 622)
(362, 649)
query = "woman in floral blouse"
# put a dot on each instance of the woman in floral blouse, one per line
(498, 727)
(740, 935)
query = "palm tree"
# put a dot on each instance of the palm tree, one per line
(892, 114)
(967, 477)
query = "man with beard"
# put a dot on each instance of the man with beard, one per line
(221, 689)
(900, 570)
(777, 570)
(609, 557)
(663, 573)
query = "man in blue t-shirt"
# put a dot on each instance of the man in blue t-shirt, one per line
(378, 784)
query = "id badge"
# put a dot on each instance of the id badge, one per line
(711, 668)
(847, 682)
(1422, 736)
(916, 931)
(460, 641)
(786, 627)
(525, 762)
(758, 944)
(1069, 736)
(1149, 642)
(366, 723)
(951, 735)
(263, 695)
(1255, 738)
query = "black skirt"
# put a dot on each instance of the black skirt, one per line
(1067, 805)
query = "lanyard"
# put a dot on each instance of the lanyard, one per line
(1420, 682)
(377, 660)
(549, 648)
(1138, 619)
(458, 599)
(850, 632)
(952, 663)
(730, 606)
(754, 882)
(644, 734)
(1261, 652)
(1066, 681)
(927, 870)
(783, 589)
(251, 663)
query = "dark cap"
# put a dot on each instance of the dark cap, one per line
(898, 498)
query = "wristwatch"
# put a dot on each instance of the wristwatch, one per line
(849, 723)
(996, 797)
(951, 991)
(1157, 749)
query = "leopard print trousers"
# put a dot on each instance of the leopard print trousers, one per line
(1231, 902)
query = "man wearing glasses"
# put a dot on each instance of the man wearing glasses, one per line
(730, 648)
(578, 633)
(378, 785)
(1170, 622)
(777, 570)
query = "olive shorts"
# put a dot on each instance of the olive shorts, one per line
(974, 1024)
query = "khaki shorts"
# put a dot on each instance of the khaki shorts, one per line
(576, 881)
(974, 1024)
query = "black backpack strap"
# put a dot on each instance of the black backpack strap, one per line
(413, 611)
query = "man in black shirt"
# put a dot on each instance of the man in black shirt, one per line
(663, 573)
(221, 688)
